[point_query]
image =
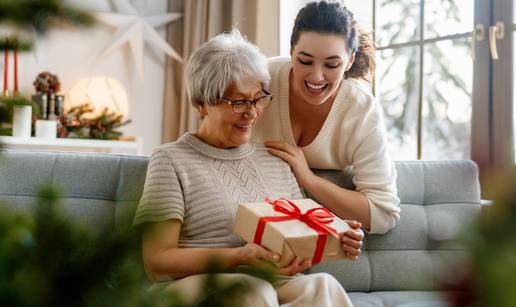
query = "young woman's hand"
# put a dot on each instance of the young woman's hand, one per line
(296, 266)
(293, 156)
(254, 254)
(352, 240)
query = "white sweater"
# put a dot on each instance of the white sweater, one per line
(352, 135)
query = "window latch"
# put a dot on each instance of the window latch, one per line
(477, 35)
(496, 32)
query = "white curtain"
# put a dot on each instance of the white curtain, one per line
(202, 19)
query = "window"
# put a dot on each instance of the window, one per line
(424, 76)
(288, 12)
(493, 143)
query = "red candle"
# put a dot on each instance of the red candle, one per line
(6, 57)
(15, 72)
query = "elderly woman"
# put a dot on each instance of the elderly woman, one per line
(194, 185)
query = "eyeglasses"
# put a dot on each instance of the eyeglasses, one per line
(242, 105)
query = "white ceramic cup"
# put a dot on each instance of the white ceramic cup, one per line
(46, 129)
(22, 121)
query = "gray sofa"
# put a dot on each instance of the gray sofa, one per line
(400, 268)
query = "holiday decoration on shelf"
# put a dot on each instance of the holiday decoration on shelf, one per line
(17, 101)
(12, 45)
(7, 104)
(47, 83)
(135, 30)
(77, 124)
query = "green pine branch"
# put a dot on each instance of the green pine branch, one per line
(47, 259)
(41, 15)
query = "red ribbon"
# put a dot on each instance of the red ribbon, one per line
(315, 218)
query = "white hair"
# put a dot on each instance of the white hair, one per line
(226, 58)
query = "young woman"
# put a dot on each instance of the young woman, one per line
(325, 117)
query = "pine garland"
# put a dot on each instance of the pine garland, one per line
(15, 43)
(42, 14)
(76, 124)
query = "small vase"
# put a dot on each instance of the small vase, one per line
(22, 121)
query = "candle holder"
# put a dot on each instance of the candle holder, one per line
(15, 45)
(6, 68)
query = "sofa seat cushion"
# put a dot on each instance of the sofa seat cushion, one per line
(399, 299)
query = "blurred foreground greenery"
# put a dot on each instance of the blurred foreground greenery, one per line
(48, 260)
(491, 271)
(41, 15)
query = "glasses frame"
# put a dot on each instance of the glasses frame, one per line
(240, 102)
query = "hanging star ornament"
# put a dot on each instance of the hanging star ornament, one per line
(136, 30)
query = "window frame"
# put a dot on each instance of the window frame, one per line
(502, 91)
(492, 141)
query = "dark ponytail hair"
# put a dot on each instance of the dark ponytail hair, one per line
(331, 17)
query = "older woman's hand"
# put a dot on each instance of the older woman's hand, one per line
(352, 240)
(296, 266)
(295, 157)
(254, 254)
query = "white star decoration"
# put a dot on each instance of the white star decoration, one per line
(135, 29)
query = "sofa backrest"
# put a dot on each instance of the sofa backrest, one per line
(98, 191)
(437, 199)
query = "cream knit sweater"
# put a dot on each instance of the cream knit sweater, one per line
(352, 136)
(202, 186)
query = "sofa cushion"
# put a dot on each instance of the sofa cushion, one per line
(399, 299)
(437, 199)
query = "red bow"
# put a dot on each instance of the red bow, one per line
(315, 218)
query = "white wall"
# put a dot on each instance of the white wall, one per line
(72, 55)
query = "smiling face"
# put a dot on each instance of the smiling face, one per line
(318, 65)
(224, 128)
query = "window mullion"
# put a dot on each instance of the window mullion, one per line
(426, 41)
(420, 79)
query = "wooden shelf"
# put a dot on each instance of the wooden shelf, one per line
(73, 145)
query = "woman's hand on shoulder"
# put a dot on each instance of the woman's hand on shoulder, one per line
(295, 157)
(352, 240)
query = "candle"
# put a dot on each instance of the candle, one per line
(15, 72)
(6, 58)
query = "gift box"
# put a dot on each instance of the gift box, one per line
(292, 228)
